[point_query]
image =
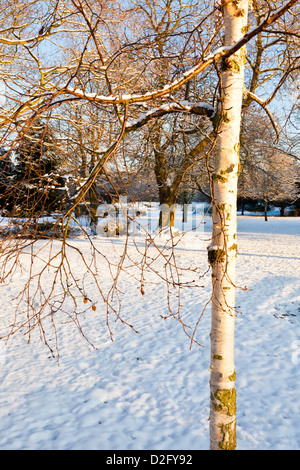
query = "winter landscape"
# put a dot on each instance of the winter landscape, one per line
(149, 225)
(150, 390)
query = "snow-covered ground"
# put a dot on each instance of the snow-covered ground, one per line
(150, 390)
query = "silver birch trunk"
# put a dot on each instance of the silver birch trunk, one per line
(223, 249)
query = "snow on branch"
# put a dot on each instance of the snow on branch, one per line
(203, 63)
(150, 95)
(34, 39)
(200, 108)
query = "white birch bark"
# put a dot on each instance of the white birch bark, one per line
(223, 249)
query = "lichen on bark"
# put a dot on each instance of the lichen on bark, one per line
(225, 401)
(228, 436)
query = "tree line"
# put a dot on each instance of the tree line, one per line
(38, 177)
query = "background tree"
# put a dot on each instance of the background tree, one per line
(6, 182)
(37, 180)
(271, 180)
(268, 175)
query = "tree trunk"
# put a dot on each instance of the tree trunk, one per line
(223, 249)
(167, 193)
(167, 208)
(93, 196)
(266, 211)
(243, 208)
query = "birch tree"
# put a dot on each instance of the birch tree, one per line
(223, 249)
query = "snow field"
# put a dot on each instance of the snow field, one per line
(150, 390)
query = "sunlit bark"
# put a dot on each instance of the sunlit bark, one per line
(222, 252)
